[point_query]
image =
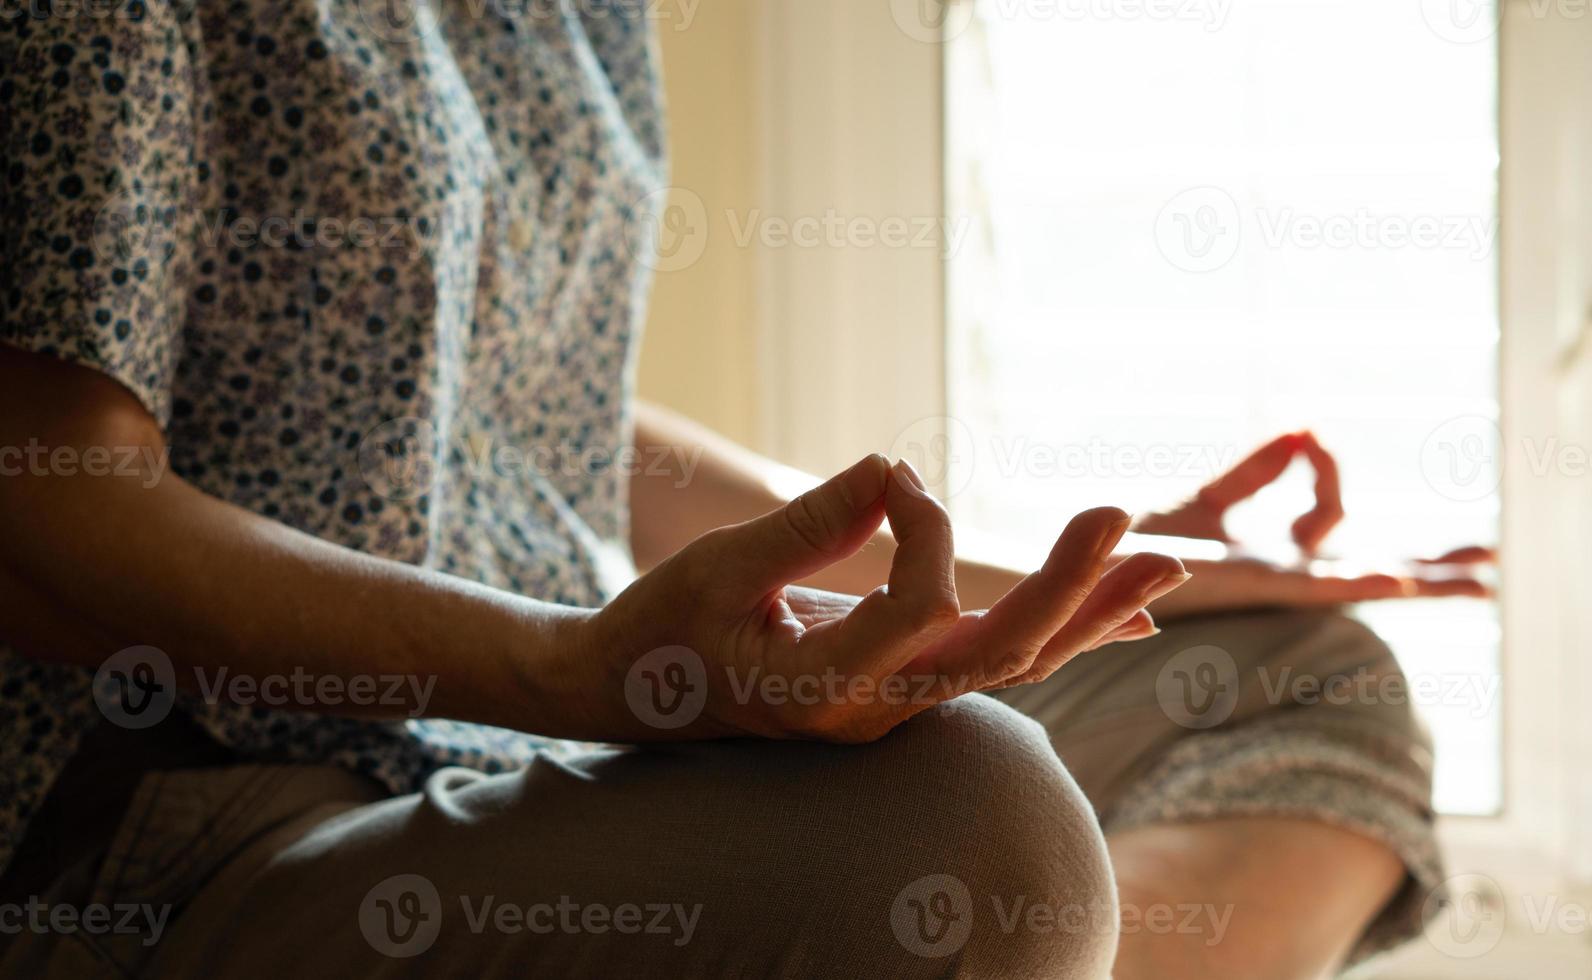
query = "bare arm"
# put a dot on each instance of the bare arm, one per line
(94, 563)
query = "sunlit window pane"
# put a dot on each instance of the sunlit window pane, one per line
(1189, 232)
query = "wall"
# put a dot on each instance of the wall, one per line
(793, 118)
(699, 354)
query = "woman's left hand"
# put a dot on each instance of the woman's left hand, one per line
(1240, 582)
(1204, 514)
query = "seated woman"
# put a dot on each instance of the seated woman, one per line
(255, 456)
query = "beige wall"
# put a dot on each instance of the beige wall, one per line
(800, 111)
(700, 353)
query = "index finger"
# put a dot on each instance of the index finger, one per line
(1314, 525)
(891, 624)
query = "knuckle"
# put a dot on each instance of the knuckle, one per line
(1072, 596)
(934, 615)
(1040, 672)
(1008, 668)
(810, 522)
(938, 514)
(1020, 680)
(1016, 663)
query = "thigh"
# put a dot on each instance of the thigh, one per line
(732, 859)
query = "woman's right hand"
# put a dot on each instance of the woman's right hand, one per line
(716, 642)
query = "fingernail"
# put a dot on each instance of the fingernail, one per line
(909, 479)
(864, 482)
(1164, 585)
(1124, 634)
(1113, 534)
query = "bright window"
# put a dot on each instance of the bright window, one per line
(1184, 228)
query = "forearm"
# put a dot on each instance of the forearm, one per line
(693, 480)
(258, 599)
(96, 563)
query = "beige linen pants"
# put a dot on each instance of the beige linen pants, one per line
(959, 845)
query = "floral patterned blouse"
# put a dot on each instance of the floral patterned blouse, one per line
(344, 251)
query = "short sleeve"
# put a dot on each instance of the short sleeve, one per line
(97, 199)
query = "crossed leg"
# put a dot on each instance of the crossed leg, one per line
(1264, 788)
(1253, 836)
(956, 846)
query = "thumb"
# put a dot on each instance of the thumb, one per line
(822, 526)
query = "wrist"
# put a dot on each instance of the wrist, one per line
(551, 682)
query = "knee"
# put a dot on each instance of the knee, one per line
(1021, 884)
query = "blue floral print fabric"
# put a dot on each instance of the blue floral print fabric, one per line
(344, 253)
